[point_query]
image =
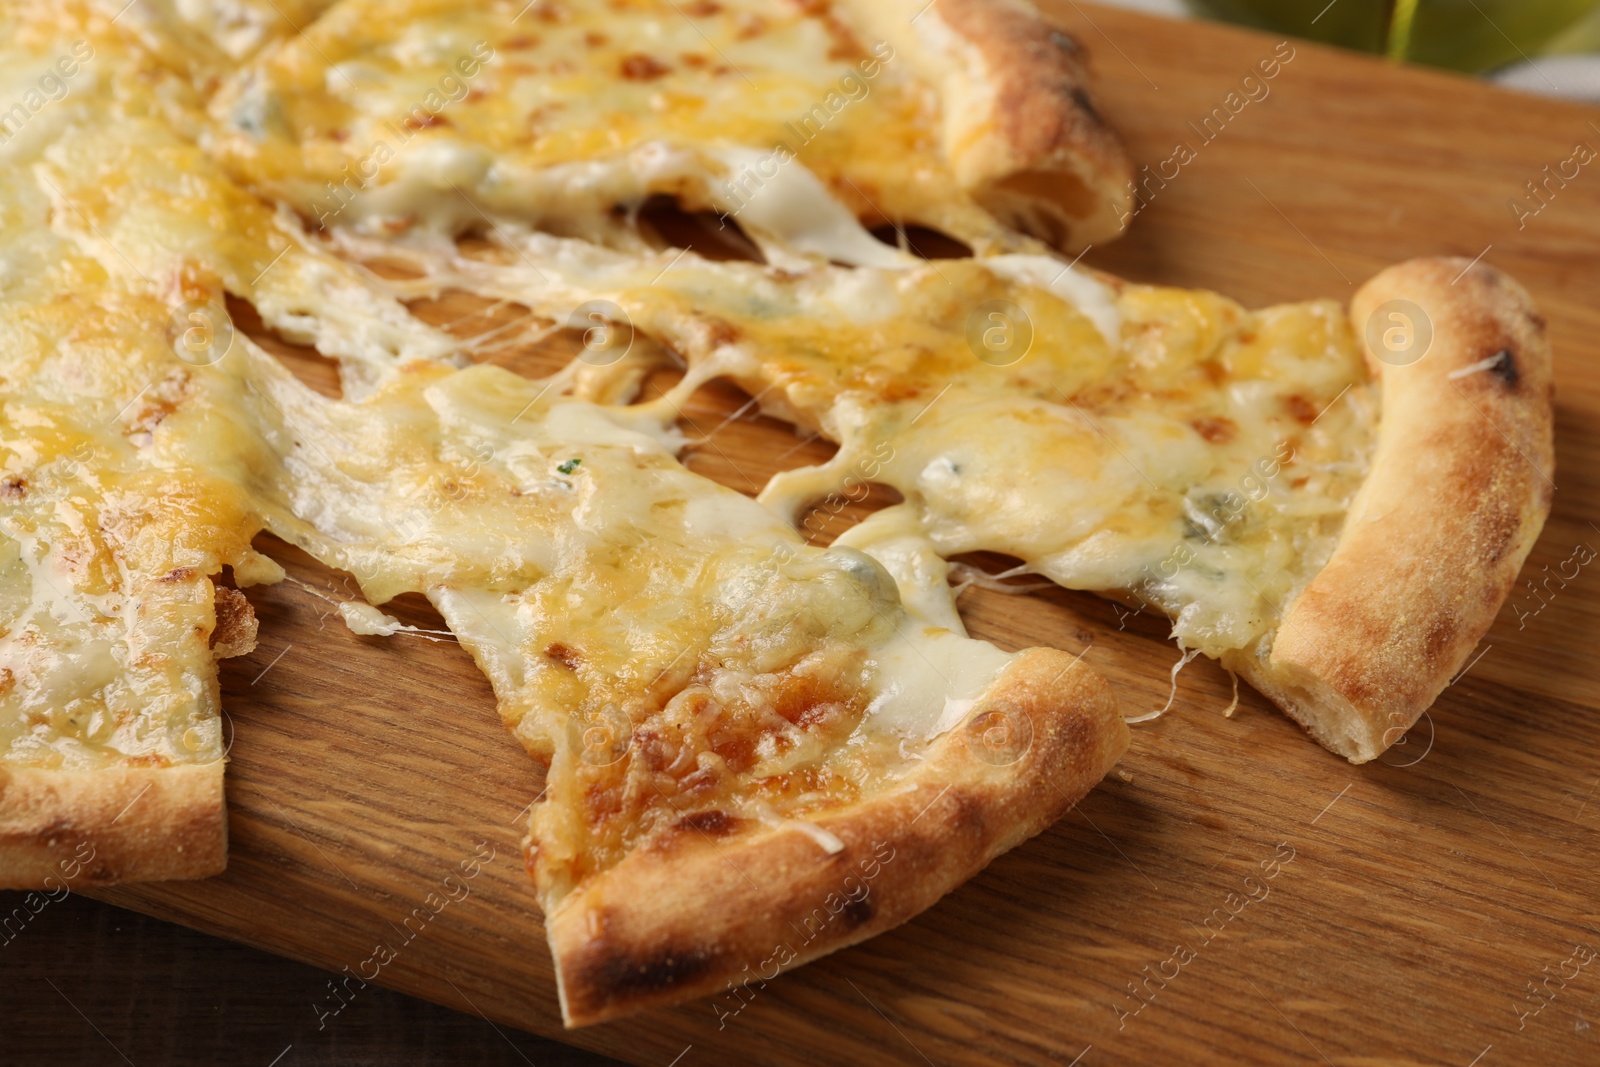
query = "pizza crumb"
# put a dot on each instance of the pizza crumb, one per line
(235, 632)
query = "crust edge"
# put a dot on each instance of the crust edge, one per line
(137, 824)
(691, 919)
(1021, 129)
(1458, 493)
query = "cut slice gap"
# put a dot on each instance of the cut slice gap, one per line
(825, 520)
(993, 564)
(485, 249)
(334, 587)
(729, 440)
(500, 332)
(607, 358)
(388, 269)
(439, 691)
(665, 223)
(314, 370)
(1112, 610)
(995, 572)
(923, 242)
(657, 384)
(414, 609)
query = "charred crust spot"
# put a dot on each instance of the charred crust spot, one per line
(14, 488)
(1040, 106)
(965, 818)
(1505, 368)
(638, 67)
(1498, 532)
(622, 976)
(857, 913)
(1080, 97)
(567, 657)
(712, 823)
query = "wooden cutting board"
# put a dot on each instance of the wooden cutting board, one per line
(1424, 898)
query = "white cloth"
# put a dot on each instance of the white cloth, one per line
(1174, 8)
(1571, 77)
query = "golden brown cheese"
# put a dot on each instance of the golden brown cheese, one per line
(1167, 446)
(144, 446)
(106, 542)
(1162, 444)
(380, 109)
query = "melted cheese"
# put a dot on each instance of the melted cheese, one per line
(791, 211)
(429, 111)
(607, 591)
(1160, 443)
(668, 644)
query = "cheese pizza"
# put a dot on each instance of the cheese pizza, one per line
(747, 736)
(721, 705)
(1168, 448)
(966, 117)
(1249, 474)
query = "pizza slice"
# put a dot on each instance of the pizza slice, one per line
(795, 119)
(757, 753)
(111, 741)
(113, 606)
(721, 705)
(1168, 448)
(1333, 504)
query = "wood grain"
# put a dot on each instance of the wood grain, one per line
(1422, 901)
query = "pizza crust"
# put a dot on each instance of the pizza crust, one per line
(726, 902)
(1020, 129)
(1459, 489)
(115, 824)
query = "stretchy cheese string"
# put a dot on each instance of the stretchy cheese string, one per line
(966, 575)
(1183, 661)
(1227, 713)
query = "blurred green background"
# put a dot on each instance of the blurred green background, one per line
(1466, 35)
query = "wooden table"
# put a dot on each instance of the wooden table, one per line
(1425, 897)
